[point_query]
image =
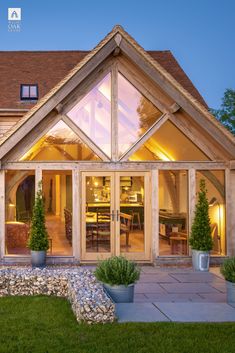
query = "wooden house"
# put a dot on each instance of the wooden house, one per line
(120, 138)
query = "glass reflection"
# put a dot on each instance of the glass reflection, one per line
(57, 194)
(19, 201)
(132, 222)
(93, 115)
(173, 212)
(168, 143)
(136, 114)
(59, 143)
(98, 214)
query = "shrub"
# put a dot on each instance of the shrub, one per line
(117, 271)
(228, 269)
(38, 239)
(200, 238)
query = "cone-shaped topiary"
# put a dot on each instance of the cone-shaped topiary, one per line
(200, 238)
(38, 239)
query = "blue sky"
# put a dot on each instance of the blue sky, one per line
(200, 33)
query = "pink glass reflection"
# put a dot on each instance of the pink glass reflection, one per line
(136, 114)
(93, 115)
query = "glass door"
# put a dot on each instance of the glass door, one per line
(115, 215)
(97, 215)
(133, 219)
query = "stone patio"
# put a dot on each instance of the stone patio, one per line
(178, 294)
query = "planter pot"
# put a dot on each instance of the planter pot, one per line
(230, 292)
(38, 258)
(200, 260)
(120, 294)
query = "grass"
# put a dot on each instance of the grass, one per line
(47, 325)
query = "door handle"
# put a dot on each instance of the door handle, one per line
(113, 215)
(118, 214)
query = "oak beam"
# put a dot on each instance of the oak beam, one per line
(2, 213)
(155, 213)
(84, 138)
(76, 226)
(143, 166)
(145, 137)
(191, 200)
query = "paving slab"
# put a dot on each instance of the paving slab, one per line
(197, 312)
(194, 277)
(188, 288)
(148, 288)
(157, 278)
(141, 298)
(150, 269)
(139, 312)
(174, 298)
(213, 297)
(220, 286)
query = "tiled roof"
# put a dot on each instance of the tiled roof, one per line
(47, 68)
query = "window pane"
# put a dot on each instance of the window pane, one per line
(132, 212)
(168, 143)
(19, 201)
(93, 115)
(57, 193)
(98, 214)
(60, 143)
(25, 91)
(136, 114)
(33, 92)
(215, 185)
(173, 212)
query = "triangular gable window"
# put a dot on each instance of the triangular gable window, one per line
(136, 114)
(60, 143)
(168, 143)
(92, 114)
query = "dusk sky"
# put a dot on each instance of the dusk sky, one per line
(199, 33)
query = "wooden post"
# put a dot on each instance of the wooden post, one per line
(2, 213)
(76, 229)
(230, 211)
(114, 113)
(38, 178)
(191, 199)
(155, 213)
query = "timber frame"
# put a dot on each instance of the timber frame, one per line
(118, 52)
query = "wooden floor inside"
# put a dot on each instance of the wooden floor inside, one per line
(56, 232)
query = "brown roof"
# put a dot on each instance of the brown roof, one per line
(47, 68)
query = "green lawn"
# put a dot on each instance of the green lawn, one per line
(47, 325)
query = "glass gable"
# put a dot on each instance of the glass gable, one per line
(136, 114)
(93, 115)
(60, 143)
(168, 143)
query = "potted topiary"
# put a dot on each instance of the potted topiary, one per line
(118, 276)
(200, 238)
(38, 239)
(228, 271)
